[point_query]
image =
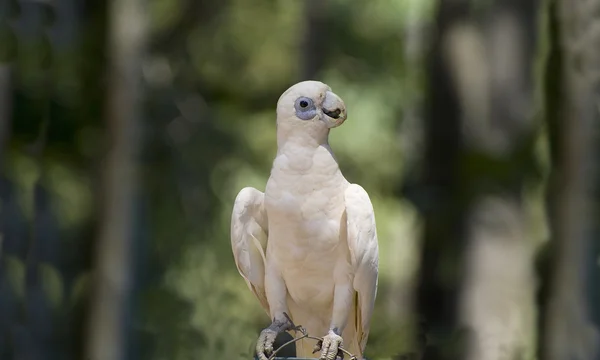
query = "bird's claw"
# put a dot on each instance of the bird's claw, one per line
(318, 346)
(264, 346)
(293, 326)
(330, 347)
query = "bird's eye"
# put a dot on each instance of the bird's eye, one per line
(305, 108)
(303, 103)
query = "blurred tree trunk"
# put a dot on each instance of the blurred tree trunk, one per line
(570, 276)
(5, 107)
(7, 297)
(410, 135)
(314, 46)
(113, 263)
(497, 300)
(476, 273)
(435, 194)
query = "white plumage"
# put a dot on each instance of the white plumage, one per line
(307, 246)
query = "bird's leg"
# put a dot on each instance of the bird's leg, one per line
(276, 295)
(342, 303)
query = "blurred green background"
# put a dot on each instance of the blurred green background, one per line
(211, 75)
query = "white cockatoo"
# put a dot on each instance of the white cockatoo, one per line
(307, 247)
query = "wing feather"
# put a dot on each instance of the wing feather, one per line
(249, 237)
(364, 251)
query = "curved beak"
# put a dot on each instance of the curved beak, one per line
(334, 110)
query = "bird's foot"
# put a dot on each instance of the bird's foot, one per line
(264, 345)
(330, 347)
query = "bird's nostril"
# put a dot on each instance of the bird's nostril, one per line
(333, 113)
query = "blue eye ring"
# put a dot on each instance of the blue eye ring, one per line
(305, 108)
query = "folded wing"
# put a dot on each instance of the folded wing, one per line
(364, 250)
(249, 240)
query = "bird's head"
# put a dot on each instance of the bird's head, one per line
(309, 108)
